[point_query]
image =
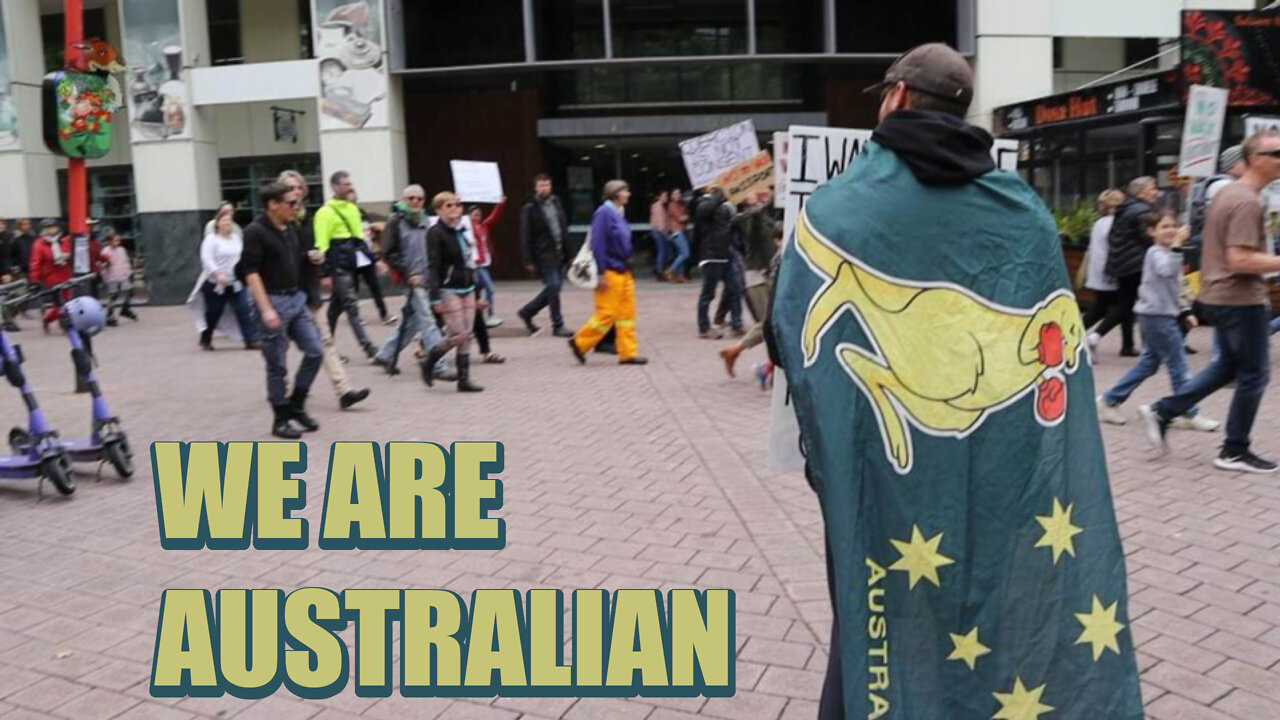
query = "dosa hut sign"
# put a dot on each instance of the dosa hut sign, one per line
(1134, 95)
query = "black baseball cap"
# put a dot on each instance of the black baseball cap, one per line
(933, 69)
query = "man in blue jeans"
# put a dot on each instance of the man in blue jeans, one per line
(272, 266)
(544, 238)
(1235, 301)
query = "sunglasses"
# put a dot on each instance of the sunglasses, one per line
(293, 203)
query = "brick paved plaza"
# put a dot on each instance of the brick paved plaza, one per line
(615, 477)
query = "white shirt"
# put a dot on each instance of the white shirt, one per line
(219, 255)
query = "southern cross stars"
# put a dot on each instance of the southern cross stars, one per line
(1058, 531)
(1100, 628)
(920, 557)
(1021, 704)
(967, 648)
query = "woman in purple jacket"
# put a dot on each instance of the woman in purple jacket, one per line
(616, 291)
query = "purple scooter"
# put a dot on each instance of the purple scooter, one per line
(107, 443)
(42, 455)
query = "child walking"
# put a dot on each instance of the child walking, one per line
(117, 273)
(1159, 312)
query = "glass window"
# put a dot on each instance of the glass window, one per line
(474, 32)
(241, 178)
(789, 26)
(53, 35)
(224, 32)
(661, 28)
(683, 83)
(569, 29)
(894, 25)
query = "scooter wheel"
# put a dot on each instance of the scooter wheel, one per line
(58, 470)
(118, 455)
(19, 440)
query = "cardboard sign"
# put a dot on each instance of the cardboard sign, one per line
(477, 181)
(746, 180)
(707, 156)
(1202, 132)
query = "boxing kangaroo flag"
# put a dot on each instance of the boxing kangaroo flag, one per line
(940, 377)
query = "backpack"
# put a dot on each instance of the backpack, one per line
(1199, 206)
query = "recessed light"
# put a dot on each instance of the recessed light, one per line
(601, 146)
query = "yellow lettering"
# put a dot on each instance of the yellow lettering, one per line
(546, 642)
(875, 599)
(588, 637)
(877, 572)
(274, 489)
(637, 640)
(249, 663)
(705, 642)
(304, 610)
(879, 677)
(417, 470)
(373, 653)
(877, 627)
(879, 706)
(471, 487)
(495, 642)
(205, 500)
(354, 497)
(432, 655)
(184, 645)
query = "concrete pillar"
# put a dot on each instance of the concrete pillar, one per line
(174, 153)
(29, 169)
(362, 128)
(1014, 58)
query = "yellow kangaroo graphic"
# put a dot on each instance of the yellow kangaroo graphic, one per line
(941, 357)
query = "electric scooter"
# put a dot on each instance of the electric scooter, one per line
(42, 455)
(81, 317)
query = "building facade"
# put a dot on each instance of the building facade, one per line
(223, 94)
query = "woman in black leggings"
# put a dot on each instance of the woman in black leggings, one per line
(1127, 248)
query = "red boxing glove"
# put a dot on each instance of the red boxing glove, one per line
(1051, 400)
(1051, 345)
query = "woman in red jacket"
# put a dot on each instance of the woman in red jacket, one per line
(54, 261)
(482, 227)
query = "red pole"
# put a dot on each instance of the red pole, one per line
(77, 175)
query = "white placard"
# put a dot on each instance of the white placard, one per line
(1254, 123)
(477, 181)
(814, 156)
(706, 156)
(1202, 132)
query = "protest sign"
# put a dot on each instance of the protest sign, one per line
(706, 156)
(780, 142)
(1202, 132)
(477, 181)
(744, 181)
(1254, 123)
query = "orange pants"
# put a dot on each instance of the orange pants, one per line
(615, 306)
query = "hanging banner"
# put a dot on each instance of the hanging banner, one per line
(1202, 131)
(8, 110)
(158, 96)
(353, 72)
(706, 156)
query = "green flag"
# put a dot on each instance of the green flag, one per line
(937, 365)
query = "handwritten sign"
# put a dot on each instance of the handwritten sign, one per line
(476, 181)
(746, 180)
(780, 142)
(1202, 131)
(707, 156)
(1254, 123)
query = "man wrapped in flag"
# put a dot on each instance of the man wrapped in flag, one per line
(936, 360)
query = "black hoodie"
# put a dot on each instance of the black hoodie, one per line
(940, 149)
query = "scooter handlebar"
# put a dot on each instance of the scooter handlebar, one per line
(11, 288)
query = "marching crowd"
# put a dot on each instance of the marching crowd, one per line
(1135, 270)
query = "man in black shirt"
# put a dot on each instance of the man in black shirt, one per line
(273, 268)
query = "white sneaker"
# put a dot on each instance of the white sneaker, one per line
(1110, 414)
(492, 321)
(1199, 423)
(1094, 340)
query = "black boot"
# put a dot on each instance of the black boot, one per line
(280, 427)
(298, 412)
(206, 338)
(464, 375)
(428, 364)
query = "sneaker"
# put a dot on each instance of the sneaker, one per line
(1094, 340)
(711, 334)
(492, 321)
(1155, 427)
(577, 354)
(352, 397)
(391, 320)
(562, 332)
(1199, 423)
(1244, 462)
(1110, 414)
